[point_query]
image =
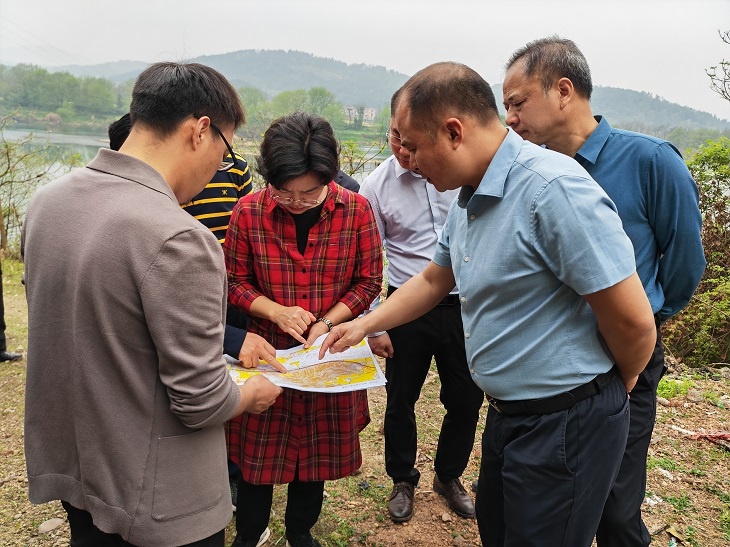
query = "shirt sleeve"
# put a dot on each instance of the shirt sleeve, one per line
(578, 233)
(239, 258)
(183, 295)
(367, 278)
(442, 254)
(677, 223)
(367, 191)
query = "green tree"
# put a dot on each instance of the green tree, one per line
(258, 112)
(24, 165)
(700, 334)
(288, 102)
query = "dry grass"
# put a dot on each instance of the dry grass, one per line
(689, 480)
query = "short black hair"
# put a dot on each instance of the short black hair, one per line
(553, 58)
(447, 88)
(296, 145)
(119, 131)
(165, 94)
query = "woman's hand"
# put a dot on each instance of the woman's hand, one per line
(294, 321)
(315, 331)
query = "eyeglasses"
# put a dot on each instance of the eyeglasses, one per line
(225, 163)
(288, 201)
(393, 139)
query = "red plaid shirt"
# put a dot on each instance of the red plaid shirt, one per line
(342, 262)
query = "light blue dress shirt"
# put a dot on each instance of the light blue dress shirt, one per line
(656, 199)
(536, 235)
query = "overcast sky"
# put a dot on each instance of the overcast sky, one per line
(659, 46)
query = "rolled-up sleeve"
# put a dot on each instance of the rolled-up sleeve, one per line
(183, 296)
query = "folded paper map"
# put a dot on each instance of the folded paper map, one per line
(353, 369)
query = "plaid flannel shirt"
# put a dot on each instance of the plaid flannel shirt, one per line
(342, 262)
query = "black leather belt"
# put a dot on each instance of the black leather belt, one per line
(448, 300)
(556, 403)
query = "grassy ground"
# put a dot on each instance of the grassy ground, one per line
(688, 498)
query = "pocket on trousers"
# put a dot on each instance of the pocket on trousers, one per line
(188, 473)
(621, 414)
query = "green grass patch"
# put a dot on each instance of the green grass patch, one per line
(669, 388)
(661, 462)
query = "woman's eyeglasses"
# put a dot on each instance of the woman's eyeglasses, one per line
(288, 201)
(228, 161)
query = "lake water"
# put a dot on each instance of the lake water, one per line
(83, 141)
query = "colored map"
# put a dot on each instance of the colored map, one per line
(353, 369)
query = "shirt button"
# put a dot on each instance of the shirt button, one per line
(463, 299)
(471, 370)
(466, 259)
(472, 217)
(466, 335)
(304, 270)
(304, 296)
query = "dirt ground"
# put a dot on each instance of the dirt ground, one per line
(688, 494)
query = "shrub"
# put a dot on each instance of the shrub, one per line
(700, 334)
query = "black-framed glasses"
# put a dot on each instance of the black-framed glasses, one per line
(225, 163)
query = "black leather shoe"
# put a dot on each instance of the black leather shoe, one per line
(400, 505)
(457, 498)
(10, 356)
(474, 485)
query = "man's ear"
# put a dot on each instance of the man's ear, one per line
(455, 130)
(565, 91)
(200, 130)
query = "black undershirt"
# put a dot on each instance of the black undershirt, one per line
(304, 222)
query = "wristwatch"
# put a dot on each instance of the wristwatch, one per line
(326, 322)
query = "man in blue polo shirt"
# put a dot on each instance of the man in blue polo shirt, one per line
(557, 326)
(547, 91)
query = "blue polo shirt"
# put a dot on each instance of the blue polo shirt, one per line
(536, 235)
(657, 200)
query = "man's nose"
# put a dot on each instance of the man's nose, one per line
(511, 117)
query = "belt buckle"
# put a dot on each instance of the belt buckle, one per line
(493, 403)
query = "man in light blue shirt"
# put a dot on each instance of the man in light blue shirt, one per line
(550, 302)
(547, 92)
(410, 214)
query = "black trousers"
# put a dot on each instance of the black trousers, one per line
(85, 534)
(253, 510)
(621, 524)
(544, 479)
(439, 334)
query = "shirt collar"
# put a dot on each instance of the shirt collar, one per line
(130, 168)
(399, 171)
(492, 183)
(595, 141)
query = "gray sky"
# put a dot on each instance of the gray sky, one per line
(659, 46)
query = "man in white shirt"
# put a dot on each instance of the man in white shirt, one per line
(410, 214)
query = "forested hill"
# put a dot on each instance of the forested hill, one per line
(275, 71)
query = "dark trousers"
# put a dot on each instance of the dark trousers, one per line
(621, 524)
(303, 506)
(85, 534)
(544, 479)
(439, 334)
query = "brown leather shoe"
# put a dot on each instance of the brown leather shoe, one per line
(400, 505)
(457, 498)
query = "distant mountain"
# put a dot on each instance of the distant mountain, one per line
(117, 72)
(274, 71)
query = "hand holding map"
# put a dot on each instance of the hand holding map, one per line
(353, 369)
